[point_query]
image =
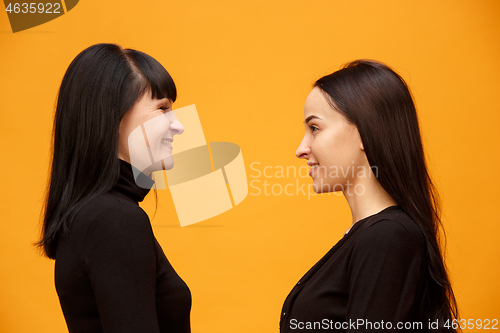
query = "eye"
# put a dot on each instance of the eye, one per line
(165, 109)
(313, 128)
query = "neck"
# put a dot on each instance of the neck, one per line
(369, 199)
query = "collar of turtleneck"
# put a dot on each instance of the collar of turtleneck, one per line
(133, 183)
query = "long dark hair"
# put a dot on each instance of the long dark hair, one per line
(378, 101)
(100, 85)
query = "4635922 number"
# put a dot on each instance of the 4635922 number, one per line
(34, 7)
(485, 324)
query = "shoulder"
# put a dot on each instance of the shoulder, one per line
(106, 216)
(109, 206)
(117, 240)
(392, 245)
(393, 232)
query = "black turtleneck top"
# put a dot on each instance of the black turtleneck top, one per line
(111, 274)
(375, 274)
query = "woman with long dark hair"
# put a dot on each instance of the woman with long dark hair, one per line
(111, 274)
(387, 273)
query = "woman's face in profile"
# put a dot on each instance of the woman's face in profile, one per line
(146, 134)
(331, 145)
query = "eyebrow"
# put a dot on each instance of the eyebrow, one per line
(164, 101)
(308, 119)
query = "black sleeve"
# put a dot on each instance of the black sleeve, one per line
(385, 273)
(120, 258)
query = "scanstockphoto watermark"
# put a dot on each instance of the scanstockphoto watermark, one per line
(359, 324)
(364, 324)
(292, 180)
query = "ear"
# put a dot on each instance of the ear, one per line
(360, 141)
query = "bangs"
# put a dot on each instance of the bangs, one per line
(158, 80)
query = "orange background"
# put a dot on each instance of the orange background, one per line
(248, 66)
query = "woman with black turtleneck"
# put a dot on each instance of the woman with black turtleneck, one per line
(114, 126)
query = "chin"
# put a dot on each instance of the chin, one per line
(316, 188)
(319, 186)
(168, 163)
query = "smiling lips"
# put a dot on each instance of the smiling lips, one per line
(313, 166)
(167, 142)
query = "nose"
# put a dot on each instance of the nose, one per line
(176, 127)
(304, 149)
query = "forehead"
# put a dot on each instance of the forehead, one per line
(317, 104)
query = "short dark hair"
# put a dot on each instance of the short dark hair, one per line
(99, 87)
(378, 101)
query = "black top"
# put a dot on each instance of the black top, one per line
(376, 272)
(111, 274)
